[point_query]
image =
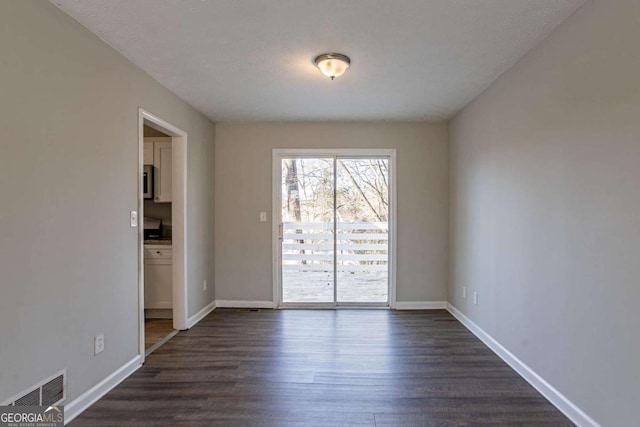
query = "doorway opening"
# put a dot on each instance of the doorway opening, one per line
(162, 238)
(157, 226)
(335, 217)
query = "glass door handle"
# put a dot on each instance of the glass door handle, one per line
(280, 231)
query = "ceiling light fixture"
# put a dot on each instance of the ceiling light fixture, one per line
(332, 64)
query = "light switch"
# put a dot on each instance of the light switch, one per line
(134, 219)
(263, 217)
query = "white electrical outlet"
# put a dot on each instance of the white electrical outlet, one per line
(475, 298)
(98, 344)
(464, 292)
(263, 217)
(204, 285)
(134, 219)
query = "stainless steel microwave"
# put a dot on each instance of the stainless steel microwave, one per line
(147, 182)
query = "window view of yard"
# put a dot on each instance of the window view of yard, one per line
(335, 230)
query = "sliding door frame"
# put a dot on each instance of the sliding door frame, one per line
(277, 155)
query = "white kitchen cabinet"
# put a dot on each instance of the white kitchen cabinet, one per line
(148, 153)
(162, 168)
(158, 277)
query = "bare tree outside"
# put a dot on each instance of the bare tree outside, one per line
(293, 189)
(362, 189)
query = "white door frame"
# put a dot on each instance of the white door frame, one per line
(277, 155)
(178, 220)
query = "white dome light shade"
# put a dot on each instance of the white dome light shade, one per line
(332, 64)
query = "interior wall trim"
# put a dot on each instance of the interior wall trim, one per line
(91, 396)
(421, 305)
(244, 304)
(193, 320)
(557, 399)
(400, 305)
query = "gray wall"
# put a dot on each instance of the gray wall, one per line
(68, 179)
(243, 189)
(545, 174)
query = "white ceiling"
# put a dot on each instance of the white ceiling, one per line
(251, 60)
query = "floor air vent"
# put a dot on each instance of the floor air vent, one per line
(248, 310)
(49, 392)
(53, 391)
(30, 399)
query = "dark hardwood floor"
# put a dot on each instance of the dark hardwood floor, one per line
(324, 368)
(155, 330)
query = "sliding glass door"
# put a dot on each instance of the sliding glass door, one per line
(333, 235)
(362, 230)
(307, 230)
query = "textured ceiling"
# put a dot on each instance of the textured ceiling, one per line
(251, 60)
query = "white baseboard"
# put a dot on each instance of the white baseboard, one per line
(159, 305)
(420, 305)
(244, 304)
(91, 396)
(191, 321)
(573, 412)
